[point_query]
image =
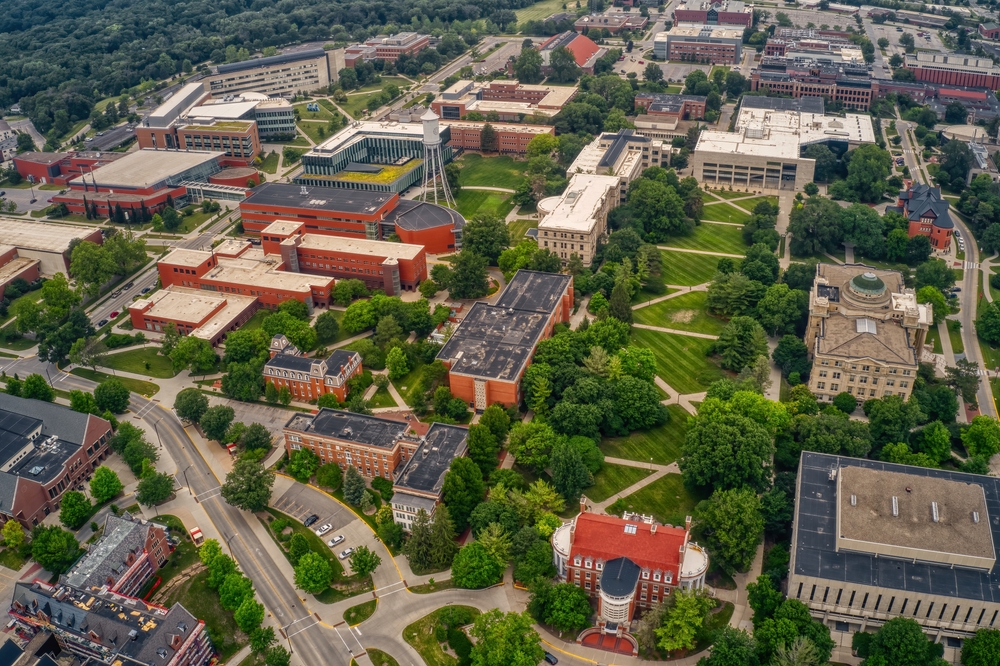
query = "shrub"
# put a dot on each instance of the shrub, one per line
(460, 643)
(441, 633)
(384, 487)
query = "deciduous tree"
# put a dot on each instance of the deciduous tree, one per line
(313, 573)
(248, 485)
(105, 484)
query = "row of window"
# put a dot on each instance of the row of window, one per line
(865, 368)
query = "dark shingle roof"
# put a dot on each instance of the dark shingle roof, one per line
(58, 420)
(107, 557)
(619, 577)
(923, 201)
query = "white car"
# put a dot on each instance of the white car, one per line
(335, 540)
(346, 553)
(323, 529)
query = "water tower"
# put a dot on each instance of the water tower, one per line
(434, 159)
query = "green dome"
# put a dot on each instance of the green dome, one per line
(868, 283)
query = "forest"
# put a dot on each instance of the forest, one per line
(60, 58)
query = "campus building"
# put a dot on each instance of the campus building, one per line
(612, 21)
(511, 139)
(386, 48)
(15, 267)
(989, 30)
(309, 378)
(47, 243)
(713, 12)
(373, 445)
(283, 75)
(584, 50)
(208, 315)
(100, 626)
(60, 168)
(127, 555)
(627, 564)
(391, 267)
(954, 70)
(142, 183)
(700, 43)
(927, 214)
(764, 151)
(492, 346)
(908, 542)
(45, 450)
(666, 106)
(368, 215)
(418, 485)
(8, 141)
(865, 333)
(845, 81)
(807, 40)
(511, 100)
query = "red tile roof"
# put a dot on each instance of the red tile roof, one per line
(604, 537)
(582, 48)
(962, 94)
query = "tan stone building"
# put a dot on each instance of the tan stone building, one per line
(865, 334)
(873, 541)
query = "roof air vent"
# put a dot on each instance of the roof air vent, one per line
(975, 517)
(854, 500)
(895, 506)
(934, 512)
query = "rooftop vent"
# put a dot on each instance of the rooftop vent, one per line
(934, 512)
(975, 517)
(895, 506)
(854, 500)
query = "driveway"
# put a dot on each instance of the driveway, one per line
(272, 418)
(676, 72)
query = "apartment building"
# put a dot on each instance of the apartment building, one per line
(865, 333)
(373, 445)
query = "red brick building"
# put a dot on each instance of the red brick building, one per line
(927, 214)
(707, 12)
(664, 105)
(846, 83)
(13, 267)
(61, 168)
(205, 314)
(391, 267)
(238, 140)
(626, 563)
(493, 345)
(48, 449)
(511, 139)
(374, 446)
(386, 48)
(954, 70)
(309, 378)
(989, 30)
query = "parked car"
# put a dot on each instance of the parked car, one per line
(310, 520)
(145, 290)
(115, 314)
(335, 540)
(956, 289)
(323, 529)
(129, 285)
(116, 294)
(642, 62)
(550, 659)
(102, 323)
(344, 554)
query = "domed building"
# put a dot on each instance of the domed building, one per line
(865, 334)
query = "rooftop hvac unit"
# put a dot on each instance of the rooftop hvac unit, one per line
(755, 133)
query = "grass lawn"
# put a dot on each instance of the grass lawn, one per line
(666, 498)
(712, 238)
(382, 398)
(384, 80)
(257, 320)
(135, 360)
(662, 444)
(10, 559)
(750, 203)
(436, 586)
(135, 385)
(184, 555)
(955, 335)
(680, 360)
(204, 604)
(420, 636)
(18, 344)
(500, 171)
(519, 228)
(725, 194)
(270, 163)
(380, 658)
(193, 221)
(358, 614)
(539, 10)
(613, 479)
(470, 202)
(685, 312)
(357, 105)
(688, 269)
(322, 114)
(33, 296)
(644, 295)
(315, 130)
(723, 212)
(933, 339)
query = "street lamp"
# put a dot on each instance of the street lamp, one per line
(185, 473)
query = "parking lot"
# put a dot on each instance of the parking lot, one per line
(888, 30)
(801, 18)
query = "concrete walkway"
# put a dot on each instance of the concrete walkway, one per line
(708, 252)
(488, 189)
(659, 472)
(680, 292)
(675, 331)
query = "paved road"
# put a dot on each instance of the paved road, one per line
(970, 281)
(27, 126)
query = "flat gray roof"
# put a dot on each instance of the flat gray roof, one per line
(424, 471)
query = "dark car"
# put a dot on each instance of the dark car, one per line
(102, 322)
(146, 289)
(550, 659)
(129, 285)
(310, 520)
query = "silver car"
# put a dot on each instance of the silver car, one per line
(323, 529)
(346, 553)
(335, 540)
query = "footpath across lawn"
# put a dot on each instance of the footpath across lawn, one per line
(680, 359)
(685, 313)
(667, 498)
(662, 444)
(137, 360)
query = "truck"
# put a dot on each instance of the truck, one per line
(197, 536)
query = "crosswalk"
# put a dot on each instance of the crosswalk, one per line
(971, 265)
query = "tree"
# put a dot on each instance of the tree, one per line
(483, 447)
(620, 305)
(727, 451)
(567, 608)
(488, 142)
(111, 395)
(190, 404)
(939, 305)
(154, 488)
(982, 437)
(397, 363)
(891, 420)
(733, 647)
(36, 388)
(364, 562)
(684, 620)
(734, 526)
(792, 355)
(988, 323)
(983, 649)
(354, 486)
(474, 567)
(781, 309)
(462, 490)
(487, 236)
(105, 484)
(326, 326)
(194, 353)
(13, 534)
(935, 273)
(329, 476)
(83, 402)
(562, 65)
(442, 539)
(76, 509)
(92, 267)
(964, 377)
(313, 573)
(815, 227)
(528, 67)
(262, 639)
(234, 589)
(54, 548)
(248, 484)
(277, 656)
(740, 343)
(215, 421)
(249, 615)
(569, 473)
(302, 464)
(764, 598)
(505, 639)
(900, 642)
(868, 169)
(468, 277)
(653, 72)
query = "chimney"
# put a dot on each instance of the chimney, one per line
(583, 504)
(572, 533)
(652, 528)
(687, 523)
